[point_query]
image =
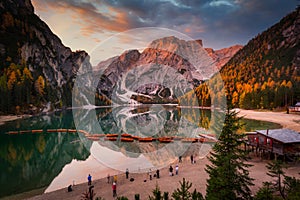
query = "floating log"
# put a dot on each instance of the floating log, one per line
(165, 140)
(126, 135)
(25, 131)
(62, 130)
(37, 131)
(201, 140)
(189, 140)
(126, 139)
(110, 139)
(145, 139)
(112, 135)
(72, 130)
(13, 132)
(135, 137)
(51, 130)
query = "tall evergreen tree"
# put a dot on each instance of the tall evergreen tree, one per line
(183, 192)
(228, 174)
(275, 171)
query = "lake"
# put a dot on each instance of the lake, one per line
(30, 161)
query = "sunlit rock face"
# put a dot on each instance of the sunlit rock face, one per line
(166, 69)
(222, 56)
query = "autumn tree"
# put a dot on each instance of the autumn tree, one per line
(39, 86)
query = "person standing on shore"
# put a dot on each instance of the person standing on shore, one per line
(114, 189)
(176, 169)
(192, 159)
(115, 178)
(108, 178)
(89, 179)
(150, 174)
(127, 173)
(171, 170)
(157, 173)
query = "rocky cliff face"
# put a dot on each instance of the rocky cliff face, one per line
(25, 37)
(152, 76)
(222, 56)
(169, 67)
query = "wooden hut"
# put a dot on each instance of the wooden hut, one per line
(284, 142)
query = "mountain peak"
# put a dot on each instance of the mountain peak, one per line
(174, 44)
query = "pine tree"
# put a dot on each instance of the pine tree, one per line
(275, 171)
(156, 193)
(266, 192)
(228, 174)
(183, 193)
(197, 195)
(292, 186)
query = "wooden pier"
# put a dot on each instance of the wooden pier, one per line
(124, 137)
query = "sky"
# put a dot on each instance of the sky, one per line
(86, 24)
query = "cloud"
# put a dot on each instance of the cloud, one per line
(218, 3)
(214, 21)
(92, 18)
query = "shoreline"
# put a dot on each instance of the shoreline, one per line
(292, 121)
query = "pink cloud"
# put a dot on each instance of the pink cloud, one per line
(89, 19)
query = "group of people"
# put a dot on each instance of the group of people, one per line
(114, 184)
(193, 160)
(155, 175)
(115, 177)
(171, 170)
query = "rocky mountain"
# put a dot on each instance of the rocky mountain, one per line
(37, 69)
(222, 56)
(28, 48)
(153, 75)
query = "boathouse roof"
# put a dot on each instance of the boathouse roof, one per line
(282, 135)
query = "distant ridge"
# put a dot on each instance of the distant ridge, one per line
(222, 56)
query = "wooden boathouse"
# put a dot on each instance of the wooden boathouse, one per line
(283, 142)
(295, 108)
